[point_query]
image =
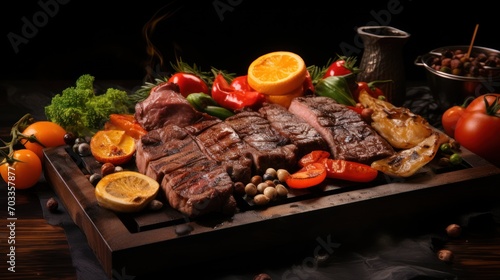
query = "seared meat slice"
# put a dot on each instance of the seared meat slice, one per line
(158, 143)
(198, 188)
(268, 148)
(347, 134)
(301, 133)
(165, 105)
(220, 142)
(193, 183)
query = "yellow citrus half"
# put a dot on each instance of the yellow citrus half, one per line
(285, 99)
(113, 146)
(277, 73)
(126, 191)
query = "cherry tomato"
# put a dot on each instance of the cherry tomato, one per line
(451, 116)
(48, 133)
(480, 133)
(313, 156)
(341, 67)
(24, 172)
(337, 68)
(349, 170)
(189, 83)
(308, 176)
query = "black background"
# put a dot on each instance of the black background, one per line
(106, 39)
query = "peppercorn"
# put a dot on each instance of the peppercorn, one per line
(52, 205)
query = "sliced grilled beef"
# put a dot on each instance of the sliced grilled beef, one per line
(193, 183)
(301, 133)
(220, 142)
(347, 134)
(165, 105)
(268, 148)
(198, 188)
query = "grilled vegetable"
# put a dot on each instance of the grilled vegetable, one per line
(337, 88)
(407, 162)
(398, 125)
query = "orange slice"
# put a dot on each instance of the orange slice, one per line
(126, 191)
(277, 73)
(286, 99)
(113, 146)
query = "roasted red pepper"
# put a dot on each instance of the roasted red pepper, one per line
(349, 170)
(370, 88)
(236, 95)
(308, 176)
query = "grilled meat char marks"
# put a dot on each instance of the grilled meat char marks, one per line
(193, 183)
(268, 148)
(300, 133)
(347, 135)
(220, 142)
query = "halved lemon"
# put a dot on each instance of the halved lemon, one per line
(113, 146)
(277, 73)
(286, 99)
(126, 191)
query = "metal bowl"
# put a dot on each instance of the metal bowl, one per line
(449, 89)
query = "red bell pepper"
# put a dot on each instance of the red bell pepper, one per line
(237, 95)
(370, 88)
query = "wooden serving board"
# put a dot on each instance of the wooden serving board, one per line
(153, 240)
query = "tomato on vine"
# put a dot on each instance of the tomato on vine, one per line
(42, 134)
(22, 169)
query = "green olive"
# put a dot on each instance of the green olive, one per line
(455, 159)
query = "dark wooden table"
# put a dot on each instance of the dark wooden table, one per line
(43, 250)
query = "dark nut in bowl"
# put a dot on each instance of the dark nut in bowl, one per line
(452, 77)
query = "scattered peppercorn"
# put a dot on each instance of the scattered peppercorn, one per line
(52, 205)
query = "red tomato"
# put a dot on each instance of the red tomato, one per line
(478, 103)
(480, 133)
(24, 172)
(450, 118)
(337, 68)
(314, 156)
(48, 133)
(349, 170)
(308, 176)
(189, 83)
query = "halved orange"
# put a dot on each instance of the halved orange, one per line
(286, 99)
(277, 73)
(113, 146)
(126, 191)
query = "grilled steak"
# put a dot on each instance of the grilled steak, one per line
(165, 105)
(347, 135)
(268, 148)
(220, 142)
(193, 183)
(300, 133)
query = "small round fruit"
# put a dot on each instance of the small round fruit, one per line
(24, 172)
(48, 133)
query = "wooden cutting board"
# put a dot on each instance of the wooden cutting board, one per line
(153, 240)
